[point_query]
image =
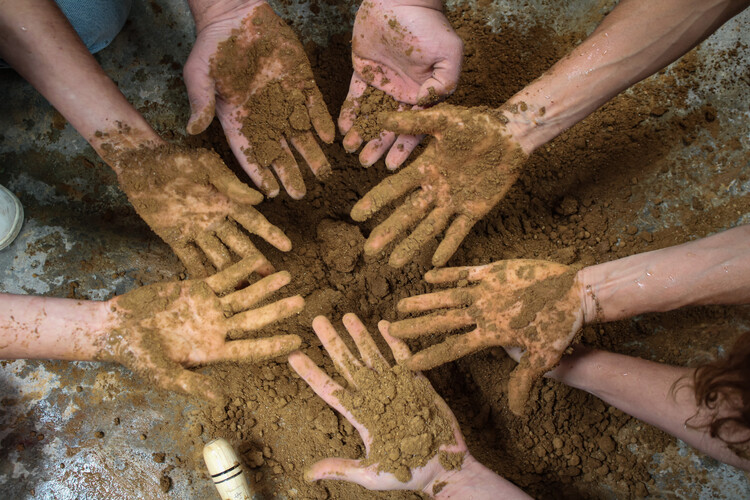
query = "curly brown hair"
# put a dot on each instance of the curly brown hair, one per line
(725, 384)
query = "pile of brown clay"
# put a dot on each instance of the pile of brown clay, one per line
(407, 429)
(271, 106)
(372, 102)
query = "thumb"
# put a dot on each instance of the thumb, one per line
(201, 90)
(441, 84)
(343, 469)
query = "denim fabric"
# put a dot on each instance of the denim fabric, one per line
(97, 22)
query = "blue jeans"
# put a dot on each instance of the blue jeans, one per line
(97, 22)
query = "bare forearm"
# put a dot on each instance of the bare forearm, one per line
(637, 39)
(713, 270)
(49, 328)
(41, 45)
(474, 482)
(643, 389)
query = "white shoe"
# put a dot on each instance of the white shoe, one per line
(11, 217)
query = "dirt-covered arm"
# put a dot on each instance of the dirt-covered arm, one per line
(37, 40)
(157, 330)
(638, 38)
(643, 389)
(50, 328)
(713, 270)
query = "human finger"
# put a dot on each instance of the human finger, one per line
(255, 319)
(368, 351)
(389, 189)
(258, 350)
(234, 189)
(352, 140)
(191, 258)
(443, 299)
(342, 357)
(451, 274)
(453, 238)
(262, 177)
(398, 347)
(319, 116)
(413, 209)
(376, 148)
(349, 109)
(411, 122)
(240, 243)
(438, 322)
(319, 381)
(254, 222)
(428, 229)
(401, 150)
(214, 249)
(521, 380)
(246, 298)
(308, 147)
(288, 172)
(228, 279)
(444, 78)
(201, 90)
(344, 469)
(452, 348)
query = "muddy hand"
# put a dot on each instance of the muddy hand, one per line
(197, 206)
(248, 66)
(397, 394)
(160, 329)
(531, 304)
(465, 170)
(410, 52)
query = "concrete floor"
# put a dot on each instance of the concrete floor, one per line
(81, 239)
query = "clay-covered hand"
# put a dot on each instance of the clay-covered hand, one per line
(249, 68)
(197, 206)
(407, 50)
(159, 329)
(412, 440)
(467, 167)
(531, 304)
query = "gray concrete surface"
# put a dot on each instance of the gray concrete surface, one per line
(82, 239)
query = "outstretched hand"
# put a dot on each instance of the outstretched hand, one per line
(412, 440)
(197, 206)
(159, 329)
(465, 170)
(531, 304)
(249, 68)
(409, 51)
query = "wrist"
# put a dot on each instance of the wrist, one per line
(592, 309)
(207, 12)
(449, 481)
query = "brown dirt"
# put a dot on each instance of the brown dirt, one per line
(399, 411)
(576, 200)
(371, 104)
(579, 199)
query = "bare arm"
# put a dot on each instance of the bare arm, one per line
(50, 328)
(713, 270)
(41, 45)
(643, 389)
(637, 39)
